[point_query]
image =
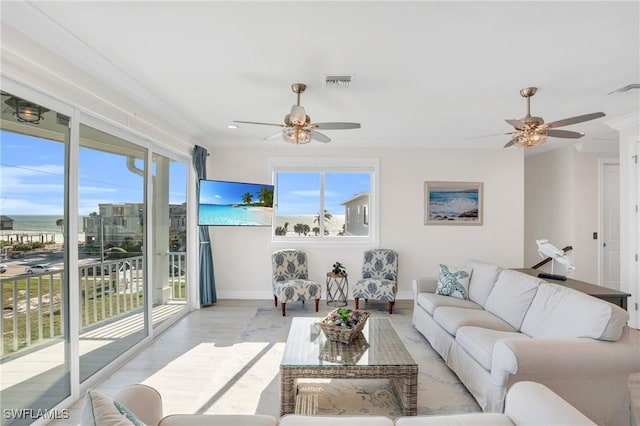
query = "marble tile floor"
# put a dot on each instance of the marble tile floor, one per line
(194, 355)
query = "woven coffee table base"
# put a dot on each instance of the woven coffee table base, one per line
(404, 380)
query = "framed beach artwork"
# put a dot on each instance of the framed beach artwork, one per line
(453, 203)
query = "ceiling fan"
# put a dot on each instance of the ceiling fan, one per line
(298, 128)
(533, 131)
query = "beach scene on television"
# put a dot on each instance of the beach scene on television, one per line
(453, 203)
(235, 203)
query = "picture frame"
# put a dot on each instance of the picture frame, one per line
(453, 203)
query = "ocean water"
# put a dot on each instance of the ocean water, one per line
(213, 214)
(38, 223)
(451, 203)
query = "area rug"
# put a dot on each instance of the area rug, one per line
(439, 389)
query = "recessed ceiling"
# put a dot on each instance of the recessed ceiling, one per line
(429, 73)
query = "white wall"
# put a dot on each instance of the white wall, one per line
(629, 128)
(561, 205)
(242, 255)
(548, 201)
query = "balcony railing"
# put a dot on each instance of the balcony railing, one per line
(32, 304)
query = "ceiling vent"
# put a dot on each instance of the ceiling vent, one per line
(626, 88)
(338, 80)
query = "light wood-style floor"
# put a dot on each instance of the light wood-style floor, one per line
(190, 357)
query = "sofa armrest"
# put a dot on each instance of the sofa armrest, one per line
(143, 401)
(424, 285)
(562, 357)
(530, 403)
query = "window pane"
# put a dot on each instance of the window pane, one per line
(111, 260)
(343, 198)
(346, 199)
(297, 204)
(34, 370)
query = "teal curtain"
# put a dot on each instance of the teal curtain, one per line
(207, 280)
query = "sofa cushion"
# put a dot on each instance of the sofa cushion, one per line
(451, 319)
(560, 312)
(99, 409)
(467, 419)
(478, 342)
(365, 420)
(512, 295)
(454, 281)
(429, 302)
(218, 420)
(483, 278)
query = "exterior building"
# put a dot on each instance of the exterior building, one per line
(6, 223)
(356, 214)
(114, 223)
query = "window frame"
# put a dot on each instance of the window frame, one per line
(324, 165)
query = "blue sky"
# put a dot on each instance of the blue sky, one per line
(298, 193)
(32, 182)
(32, 178)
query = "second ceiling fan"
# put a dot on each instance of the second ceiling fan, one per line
(533, 131)
(298, 128)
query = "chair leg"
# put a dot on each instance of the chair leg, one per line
(391, 303)
(317, 304)
(357, 303)
(284, 309)
(275, 300)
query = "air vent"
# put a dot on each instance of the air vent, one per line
(626, 88)
(338, 80)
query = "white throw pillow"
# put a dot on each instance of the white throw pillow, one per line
(99, 410)
(454, 281)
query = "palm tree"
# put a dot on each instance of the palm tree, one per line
(299, 228)
(60, 223)
(265, 196)
(247, 198)
(327, 217)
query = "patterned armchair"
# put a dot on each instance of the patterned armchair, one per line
(379, 277)
(291, 279)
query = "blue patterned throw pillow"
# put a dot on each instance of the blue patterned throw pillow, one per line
(454, 282)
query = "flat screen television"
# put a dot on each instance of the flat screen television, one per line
(225, 203)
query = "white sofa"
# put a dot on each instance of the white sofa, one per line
(527, 404)
(515, 327)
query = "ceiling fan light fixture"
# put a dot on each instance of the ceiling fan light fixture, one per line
(530, 137)
(296, 135)
(26, 112)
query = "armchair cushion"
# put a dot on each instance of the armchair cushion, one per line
(99, 409)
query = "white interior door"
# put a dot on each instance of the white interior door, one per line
(610, 226)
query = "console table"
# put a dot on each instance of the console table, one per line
(610, 295)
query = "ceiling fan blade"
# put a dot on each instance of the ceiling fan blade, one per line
(319, 137)
(336, 126)
(564, 134)
(574, 120)
(518, 124)
(511, 142)
(277, 135)
(488, 136)
(255, 122)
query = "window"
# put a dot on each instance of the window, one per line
(325, 200)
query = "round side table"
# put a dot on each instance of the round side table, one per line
(337, 289)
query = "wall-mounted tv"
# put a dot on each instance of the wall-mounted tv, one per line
(224, 203)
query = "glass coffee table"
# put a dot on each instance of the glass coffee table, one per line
(377, 353)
